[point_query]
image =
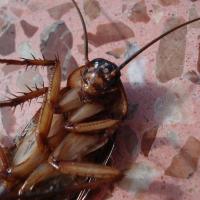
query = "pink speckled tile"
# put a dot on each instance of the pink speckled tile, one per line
(163, 123)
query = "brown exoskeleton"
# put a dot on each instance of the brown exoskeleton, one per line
(64, 136)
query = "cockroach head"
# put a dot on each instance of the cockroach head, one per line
(100, 76)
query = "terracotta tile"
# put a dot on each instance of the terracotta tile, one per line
(168, 2)
(184, 164)
(28, 29)
(139, 13)
(172, 46)
(111, 32)
(92, 8)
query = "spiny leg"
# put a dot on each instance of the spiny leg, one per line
(28, 96)
(32, 94)
(28, 62)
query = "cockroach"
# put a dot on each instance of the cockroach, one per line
(57, 153)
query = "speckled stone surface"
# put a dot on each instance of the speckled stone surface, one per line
(159, 142)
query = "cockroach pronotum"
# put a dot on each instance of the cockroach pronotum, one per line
(56, 157)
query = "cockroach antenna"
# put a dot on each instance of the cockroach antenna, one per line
(85, 32)
(137, 52)
(153, 42)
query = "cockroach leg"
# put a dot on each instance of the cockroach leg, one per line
(49, 105)
(32, 94)
(91, 185)
(85, 111)
(85, 144)
(42, 172)
(87, 170)
(65, 151)
(92, 126)
(26, 158)
(28, 62)
(28, 96)
(69, 100)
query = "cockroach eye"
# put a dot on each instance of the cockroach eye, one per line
(100, 77)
